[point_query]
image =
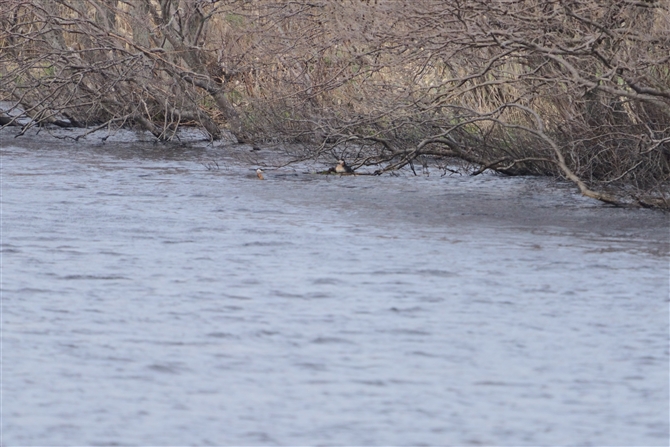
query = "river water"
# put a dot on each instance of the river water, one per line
(149, 300)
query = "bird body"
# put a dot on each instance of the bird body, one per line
(259, 174)
(343, 168)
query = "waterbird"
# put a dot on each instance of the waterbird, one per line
(343, 168)
(259, 174)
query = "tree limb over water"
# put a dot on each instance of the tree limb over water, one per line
(579, 90)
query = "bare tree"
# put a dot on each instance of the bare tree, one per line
(572, 88)
(103, 62)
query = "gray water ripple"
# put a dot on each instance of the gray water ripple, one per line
(147, 300)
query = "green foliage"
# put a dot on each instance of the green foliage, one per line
(235, 20)
(235, 96)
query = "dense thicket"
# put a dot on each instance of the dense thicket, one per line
(574, 88)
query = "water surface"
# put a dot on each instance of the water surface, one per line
(148, 300)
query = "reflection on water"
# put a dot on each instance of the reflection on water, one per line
(148, 300)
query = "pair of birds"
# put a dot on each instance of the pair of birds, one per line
(341, 168)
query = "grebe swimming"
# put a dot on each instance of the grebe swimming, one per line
(343, 168)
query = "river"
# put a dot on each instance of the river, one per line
(151, 297)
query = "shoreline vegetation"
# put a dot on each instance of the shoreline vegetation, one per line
(577, 89)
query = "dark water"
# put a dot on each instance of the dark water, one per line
(147, 300)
